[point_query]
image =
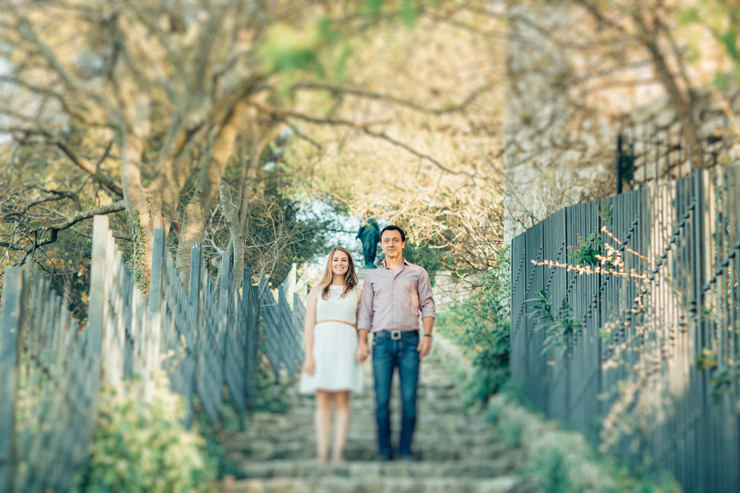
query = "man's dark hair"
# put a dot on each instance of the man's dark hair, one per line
(393, 228)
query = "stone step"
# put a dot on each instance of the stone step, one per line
(437, 450)
(502, 484)
(459, 422)
(368, 439)
(368, 436)
(473, 468)
(438, 406)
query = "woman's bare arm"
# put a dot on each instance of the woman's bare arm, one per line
(362, 351)
(358, 293)
(309, 364)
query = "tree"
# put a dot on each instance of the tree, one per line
(153, 101)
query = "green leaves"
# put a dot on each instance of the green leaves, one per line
(323, 48)
(689, 16)
(480, 326)
(605, 211)
(556, 326)
(286, 48)
(721, 18)
(720, 376)
(142, 447)
(374, 6)
(587, 251)
(409, 12)
(729, 40)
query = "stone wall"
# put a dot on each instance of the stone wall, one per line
(653, 146)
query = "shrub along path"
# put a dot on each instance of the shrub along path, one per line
(457, 451)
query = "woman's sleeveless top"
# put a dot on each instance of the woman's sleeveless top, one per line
(336, 307)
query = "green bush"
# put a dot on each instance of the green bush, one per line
(550, 468)
(480, 326)
(142, 446)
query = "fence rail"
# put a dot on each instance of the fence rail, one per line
(206, 338)
(655, 351)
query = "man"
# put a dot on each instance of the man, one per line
(393, 296)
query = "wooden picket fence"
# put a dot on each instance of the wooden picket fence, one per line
(208, 339)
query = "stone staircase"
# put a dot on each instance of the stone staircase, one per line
(456, 451)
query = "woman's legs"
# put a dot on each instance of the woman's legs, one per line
(323, 423)
(341, 424)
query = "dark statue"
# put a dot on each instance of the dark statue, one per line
(369, 235)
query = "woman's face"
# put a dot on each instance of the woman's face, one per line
(339, 263)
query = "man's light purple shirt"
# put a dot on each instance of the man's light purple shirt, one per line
(394, 301)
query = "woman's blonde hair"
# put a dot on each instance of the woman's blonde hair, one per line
(350, 277)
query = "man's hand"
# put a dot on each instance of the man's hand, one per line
(362, 351)
(309, 366)
(425, 345)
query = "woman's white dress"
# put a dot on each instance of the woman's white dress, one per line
(335, 345)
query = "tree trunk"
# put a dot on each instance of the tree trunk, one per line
(681, 103)
(138, 209)
(196, 212)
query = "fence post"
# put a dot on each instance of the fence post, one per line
(225, 272)
(299, 319)
(619, 163)
(195, 275)
(154, 337)
(155, 285)
(156, 288)
(245, 317)
(285, 331)
(224, 311)
(255, 333)
(290, 283)
(97, 286)
(193, 334)
(10, 327)
(195, 290)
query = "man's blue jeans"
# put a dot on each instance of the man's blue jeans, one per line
(387, 356)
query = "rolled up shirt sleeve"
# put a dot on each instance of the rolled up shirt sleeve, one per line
(365, 317)
(426, 299)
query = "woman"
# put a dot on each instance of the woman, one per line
(331, 369)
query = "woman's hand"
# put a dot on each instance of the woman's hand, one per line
(362, 352)
(309, 366)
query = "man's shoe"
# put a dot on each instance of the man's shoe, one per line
(385, 458)
(406, 457)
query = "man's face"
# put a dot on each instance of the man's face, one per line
(391, 244)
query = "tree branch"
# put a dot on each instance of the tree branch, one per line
(68, 223)
(101, 177)
(394, 100)
(94, 170)
(25, 30)
(284, 114)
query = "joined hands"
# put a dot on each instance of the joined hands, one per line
(362, 352)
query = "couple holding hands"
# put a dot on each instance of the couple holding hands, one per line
(339, 318)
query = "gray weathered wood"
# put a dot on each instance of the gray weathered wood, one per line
(9, 355)
(195, 261)
(97, 283)
(157, 271)
(211, 335)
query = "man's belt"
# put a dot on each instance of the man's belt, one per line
(396, 335)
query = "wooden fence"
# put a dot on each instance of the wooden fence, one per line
(206, 338)
(642, 359)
